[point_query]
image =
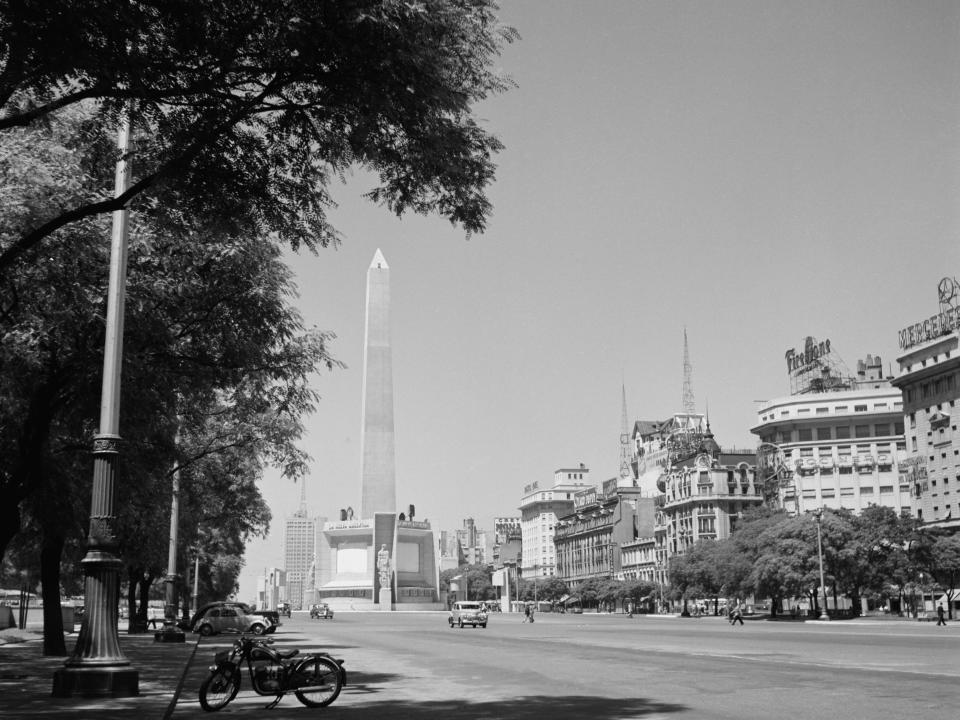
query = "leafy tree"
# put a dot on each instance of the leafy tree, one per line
(213, 348)
(474, 580)
(787, 565)
(551, 589)
(589, 591)
(943, 564)
(254, 107)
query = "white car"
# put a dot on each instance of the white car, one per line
(469, 613)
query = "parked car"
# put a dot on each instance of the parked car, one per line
(218, 617)
(468, 613)
(321, 611)
(274, 615)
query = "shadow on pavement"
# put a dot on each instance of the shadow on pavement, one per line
(534, 707)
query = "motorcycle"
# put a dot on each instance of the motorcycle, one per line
(315, 679)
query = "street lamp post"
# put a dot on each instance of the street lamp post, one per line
(170, 631)
(660, 585)
(818, 514)
(98, 666)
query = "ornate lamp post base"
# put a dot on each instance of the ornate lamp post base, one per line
(96, 682)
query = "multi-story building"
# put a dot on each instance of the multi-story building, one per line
(703, 497)
(476, 545)
(837, 443)
(930, 382)
(299, 542)
(539, 510)
(589, 539)
(271, 588)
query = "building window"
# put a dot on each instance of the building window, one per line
(805, 434)
(823, 433)
(822, 411)
(842, 432)
(862, 431)
(859, 408)
(881, 429)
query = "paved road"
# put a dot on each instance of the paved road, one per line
(410, 665)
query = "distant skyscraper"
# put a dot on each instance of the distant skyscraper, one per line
(299, 540)
(378, 479)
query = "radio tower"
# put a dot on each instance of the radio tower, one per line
(625, 454)
(689, 406)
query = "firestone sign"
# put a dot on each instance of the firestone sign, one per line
(800, 360)
(941, 324)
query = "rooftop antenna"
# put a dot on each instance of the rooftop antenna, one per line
(303, 499)
(689, 406)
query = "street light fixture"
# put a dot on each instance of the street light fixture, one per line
(660, 585)
(98, 666)
(818, 514)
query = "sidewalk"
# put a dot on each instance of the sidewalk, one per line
(26, 681)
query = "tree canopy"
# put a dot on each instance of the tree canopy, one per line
(255, 106)
(216, 375)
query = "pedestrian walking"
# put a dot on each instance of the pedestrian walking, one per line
(940, 620)
(526, 613)
(737, 615)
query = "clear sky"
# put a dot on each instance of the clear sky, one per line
(756, 172)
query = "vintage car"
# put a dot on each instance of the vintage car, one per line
(321, 611)
(228, 616)
(466, 612)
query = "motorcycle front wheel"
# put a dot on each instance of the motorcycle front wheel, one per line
(219, 689)
(322, 682)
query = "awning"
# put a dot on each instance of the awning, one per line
(570, 600)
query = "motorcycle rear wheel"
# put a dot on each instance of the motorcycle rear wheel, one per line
(323, 682)
(219, 689)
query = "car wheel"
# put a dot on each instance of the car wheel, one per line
(483, 625)
(206, 630)
(257, 629)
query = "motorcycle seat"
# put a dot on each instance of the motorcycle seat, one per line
(287, 654)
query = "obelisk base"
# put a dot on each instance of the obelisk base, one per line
(385, 603)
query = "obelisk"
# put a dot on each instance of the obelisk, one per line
(378, 481)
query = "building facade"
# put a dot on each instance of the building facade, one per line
(842, 447)
(703, 497)
(929, 379)
(539, 510)
(589, 540)
(507, 540)
(476, 544)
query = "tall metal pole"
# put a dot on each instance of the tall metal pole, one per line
(818, 514)
(170, 631)
(98, 666)
(196, 582)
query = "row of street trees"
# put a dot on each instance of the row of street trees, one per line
(243, 113)
(876, 555)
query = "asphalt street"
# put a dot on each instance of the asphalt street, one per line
(412, 665)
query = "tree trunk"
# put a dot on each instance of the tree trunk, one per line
(50, 551)
(9, 522)
(133, 580)
(145, 582)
